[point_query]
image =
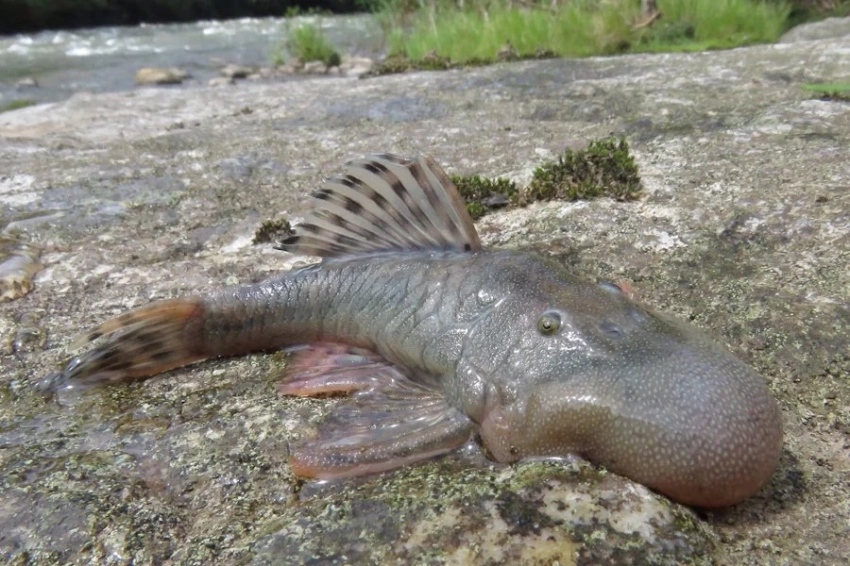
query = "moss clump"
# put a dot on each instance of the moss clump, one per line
(482, 194)
(432, 61)
(605, 168)
(272, 231)
(839, 92)
(16, 104)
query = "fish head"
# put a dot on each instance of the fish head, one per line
(587, 370)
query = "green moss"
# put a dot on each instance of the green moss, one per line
(839, 92)
(16, 104)
(272, 231)
(482, 194)
(605, 168)
(432, 61)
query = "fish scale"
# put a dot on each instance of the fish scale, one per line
(436, 340)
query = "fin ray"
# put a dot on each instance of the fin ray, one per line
(139, 343)
(386, 203)
(388, 421)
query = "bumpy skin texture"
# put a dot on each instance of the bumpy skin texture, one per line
(647, 396)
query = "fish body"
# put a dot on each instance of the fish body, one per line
(437, 340)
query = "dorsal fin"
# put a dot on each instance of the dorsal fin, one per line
(384, 203)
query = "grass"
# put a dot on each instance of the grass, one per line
(16, 104)
(307, 43)
(485, 31)
(839, 92)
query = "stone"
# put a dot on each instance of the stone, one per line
(221, 81)
(26, 82)
(315, 68)
(233, 71)
(160, 76)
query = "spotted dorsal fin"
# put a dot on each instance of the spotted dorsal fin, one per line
(385, 203)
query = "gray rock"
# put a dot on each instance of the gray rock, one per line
(234, 71)
(315, 68)
(743, 228)
(221, 81)
(829, 28)
(26, 82)
(160, 76)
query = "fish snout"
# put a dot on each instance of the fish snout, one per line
(697, 425)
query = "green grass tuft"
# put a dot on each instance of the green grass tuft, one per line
(839, 92)
(16, 104)
(308, 43)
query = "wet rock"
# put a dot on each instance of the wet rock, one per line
(26, 82)
(315, 68)
(221, 81)
(234, 71)
(160, 76)
(532, 513)
(356, 66)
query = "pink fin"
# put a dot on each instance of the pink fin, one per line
(329, 368)
(390, 420)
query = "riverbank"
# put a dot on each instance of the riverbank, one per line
(444, 34)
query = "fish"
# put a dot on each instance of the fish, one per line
(435, 341)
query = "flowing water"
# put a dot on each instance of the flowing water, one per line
(106, 59)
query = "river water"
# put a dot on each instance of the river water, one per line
(106, 59)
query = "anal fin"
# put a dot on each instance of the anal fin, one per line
(390, 419)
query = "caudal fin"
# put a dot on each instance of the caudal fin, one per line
(140, 343)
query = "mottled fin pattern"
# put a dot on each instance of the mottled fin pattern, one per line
(389, 421)
(385, 203)
(140, 343)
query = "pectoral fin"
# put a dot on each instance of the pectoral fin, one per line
(389, 420)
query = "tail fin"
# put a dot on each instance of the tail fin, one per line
(140, 343)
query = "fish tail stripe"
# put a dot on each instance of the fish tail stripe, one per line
(136, 344)
(386, 203)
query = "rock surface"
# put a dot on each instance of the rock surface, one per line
(744, 228)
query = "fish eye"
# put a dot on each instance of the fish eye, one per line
(611, 330)
(549, 323)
